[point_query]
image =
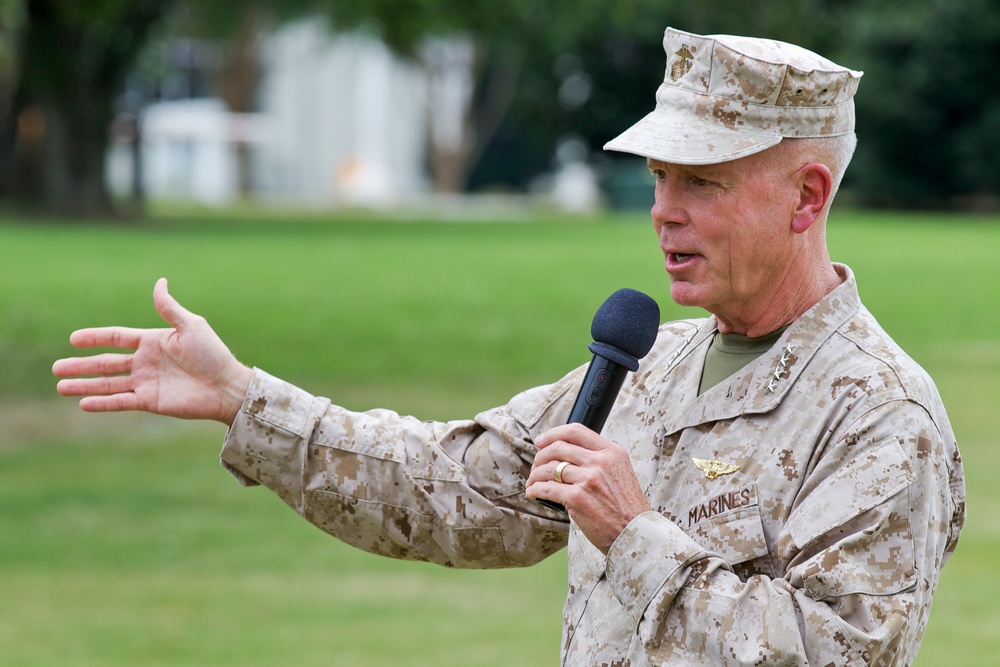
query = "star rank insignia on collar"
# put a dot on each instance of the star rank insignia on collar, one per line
(714, 468)
(781, 369)
(677, 353)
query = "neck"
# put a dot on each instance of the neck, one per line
(787, 302)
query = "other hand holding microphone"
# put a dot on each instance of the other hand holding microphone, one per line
(575, 467)
(595, 481)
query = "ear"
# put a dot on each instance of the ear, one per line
(815, 183)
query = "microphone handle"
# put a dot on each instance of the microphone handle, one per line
(597, 393)
(594, 402)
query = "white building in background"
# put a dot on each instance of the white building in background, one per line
(342, 122)
(346, 121)
(187, 152)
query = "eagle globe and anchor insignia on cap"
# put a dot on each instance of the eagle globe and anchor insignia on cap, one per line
(681, 63)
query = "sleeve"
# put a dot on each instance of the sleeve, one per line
(450, 493)
(859, 559)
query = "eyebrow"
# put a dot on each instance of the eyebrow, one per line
(707, 170)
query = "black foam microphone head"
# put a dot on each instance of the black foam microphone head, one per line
(624, 327)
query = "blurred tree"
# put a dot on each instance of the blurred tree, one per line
(929, 106)
(63, 64)
(11, 20)
(71, 58)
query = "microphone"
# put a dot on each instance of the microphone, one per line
(624, 330)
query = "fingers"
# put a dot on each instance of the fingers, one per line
(548, 472)
(576, 434)
(103, 386)
(571, 442)
(113, 403)
(101, 394)
(125, 338)
(110, 393)
(541, 484)
(559, 451)
(101, 364)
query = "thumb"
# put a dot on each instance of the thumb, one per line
(169, 308)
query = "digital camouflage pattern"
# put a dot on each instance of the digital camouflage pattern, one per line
(724, 97)
(817, 537)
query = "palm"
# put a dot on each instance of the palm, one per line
(176, 373)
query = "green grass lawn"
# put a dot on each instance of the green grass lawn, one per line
(122, 542)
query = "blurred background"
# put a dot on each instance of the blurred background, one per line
(108, 105)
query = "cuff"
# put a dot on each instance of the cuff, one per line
(264, 445)
(649, 559)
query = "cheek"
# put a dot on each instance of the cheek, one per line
(753, 247)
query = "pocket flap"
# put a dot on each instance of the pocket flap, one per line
(866, 481)
(729, 525)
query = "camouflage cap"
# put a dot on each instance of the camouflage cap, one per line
(724, 97)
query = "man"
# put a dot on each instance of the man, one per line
(777, 484)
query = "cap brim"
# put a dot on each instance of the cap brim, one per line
(666, 137)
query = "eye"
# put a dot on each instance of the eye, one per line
(658, 173)
(701, 182)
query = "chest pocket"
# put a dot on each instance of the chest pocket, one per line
(730, 526)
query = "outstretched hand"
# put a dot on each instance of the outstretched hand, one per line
(184, 371)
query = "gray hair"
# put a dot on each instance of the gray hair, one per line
(834, 152)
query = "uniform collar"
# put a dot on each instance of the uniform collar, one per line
(761, 385)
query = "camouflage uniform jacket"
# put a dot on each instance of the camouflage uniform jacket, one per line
(822, 545)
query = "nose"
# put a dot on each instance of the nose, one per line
(667, 209)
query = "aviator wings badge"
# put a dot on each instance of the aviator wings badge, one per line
(713, 469)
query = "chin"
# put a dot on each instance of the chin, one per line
(685, 294)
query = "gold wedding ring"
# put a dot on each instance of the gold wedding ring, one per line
(559, 471)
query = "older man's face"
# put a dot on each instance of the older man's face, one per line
(725, 231)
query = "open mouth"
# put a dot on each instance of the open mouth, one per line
(680, 257)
